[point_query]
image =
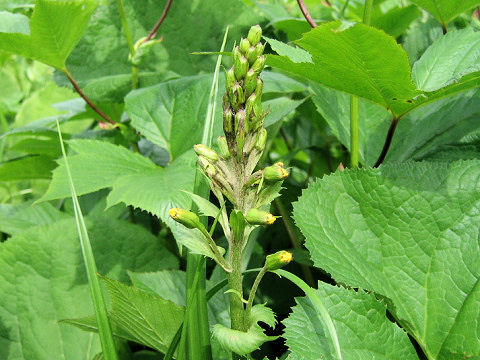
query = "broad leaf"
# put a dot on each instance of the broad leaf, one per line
(27, 167)
(107, 75)
(446, 10)
(14, 23)
(17, 218)
(55, 29)
(44, 281)
(397, 20)
(359, 60)
(363, 329)
(448, 59)
(408, 232)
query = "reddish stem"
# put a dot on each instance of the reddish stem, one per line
(153, 33)
(87, 100)
(305, 13)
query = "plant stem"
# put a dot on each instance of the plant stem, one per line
(388, 142)
(354, 132)
(153, 32)
(251, 297)
(128, 36)
(84, 97)
(367, 12)
(305, 13)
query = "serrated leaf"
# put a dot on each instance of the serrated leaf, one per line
(363, 329)
(55, 29)
(360, 60)
(446, 10)
(243, 343)
(406, 231)
(149, 319)
(44, 281)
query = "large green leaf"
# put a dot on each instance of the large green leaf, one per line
(100, 62)
(44, 281)
(55, 29)
(396, 20)
(446, 10)
(27, 167)
(359, 60)
(410, 233)
(363, 329)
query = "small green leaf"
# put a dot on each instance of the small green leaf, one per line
(55, 29)
(296, 54)
(14, 23)
(446, 10)
(243, 343)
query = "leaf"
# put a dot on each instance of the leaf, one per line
(360, 60)
(55, 29)
(446, 10)
(447, 60)
(279, 108)
(44, 281)
(148, 319)
(397, 20)
(243, 343)
(295, 54)
(14, 23)
(17, 218)
(27, 168)
(107, 75)
(363, 329)
(406, 231)
(419, 37)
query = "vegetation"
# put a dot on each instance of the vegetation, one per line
(319, 201)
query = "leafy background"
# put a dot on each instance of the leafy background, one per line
(382, 245)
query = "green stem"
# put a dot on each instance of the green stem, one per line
(251, 297)
(354, 142)
(128, 36)
(4, 128)
(367, 12)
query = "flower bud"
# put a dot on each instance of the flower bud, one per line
(259, 217)
(250, 105)
(238, 96)
(244, 45)
(239, 120)
(255, 34)
(261, 139)
(241, 66)
(250, 82)
(185, 217)
(223, 148)
(230, 78)
(204, 150)
(228, 121)
(259, 49)
(251, 55)
(276, 172)
(258, 64)
(259, 88)
(278, 260)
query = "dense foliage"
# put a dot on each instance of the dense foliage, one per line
(344, 132)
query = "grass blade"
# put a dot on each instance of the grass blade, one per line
(317, 302)
(104, 328)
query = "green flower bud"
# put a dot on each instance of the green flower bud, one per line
(259, 49)
(250, 106)
(259, 64)
(204, 150)
(240, 121)
(185, 217)
(223, 147)
(250, 82)
(276, 172)
(278, 260)
(259, 217)
(241, 67)
(261, 139)
(244, 45)
(255, 34)
(228, 121)
(238, 96)
(251, 55)
(230, 78)
(259, 88)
